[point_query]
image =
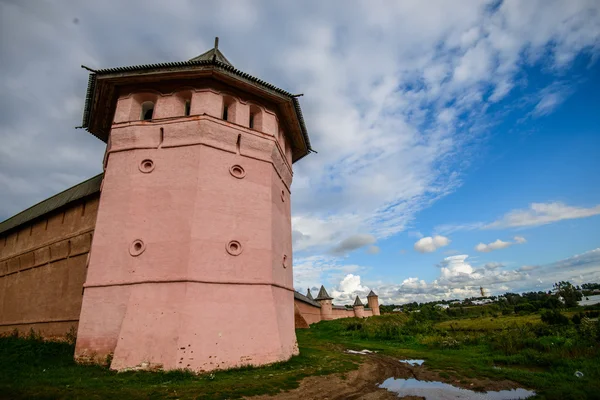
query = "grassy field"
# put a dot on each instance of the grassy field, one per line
(517, 348)
(31, 368)
(483, 324)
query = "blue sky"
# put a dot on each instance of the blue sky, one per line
(457, 145)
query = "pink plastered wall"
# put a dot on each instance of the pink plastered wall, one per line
(373, 303)
(193, 237)
(310, 313)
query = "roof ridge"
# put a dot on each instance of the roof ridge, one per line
(75, 192)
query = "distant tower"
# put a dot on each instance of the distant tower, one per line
(359, 308)
(326, 306)
(191, 259)
(373, 302)
(309, 294)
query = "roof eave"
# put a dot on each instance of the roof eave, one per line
(199, 65)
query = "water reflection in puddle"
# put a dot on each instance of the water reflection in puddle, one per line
(412, 362)
(444, 391)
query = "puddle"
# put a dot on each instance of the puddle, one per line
(414, 363)
(365, 351)
(444, 391)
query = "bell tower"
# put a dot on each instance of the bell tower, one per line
(191, 259)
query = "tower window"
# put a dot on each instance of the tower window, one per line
(147, 110)
(225, 112)
(256, 118)
(188, 106)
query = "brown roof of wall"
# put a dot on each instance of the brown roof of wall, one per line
(79, 191)
(303, 298)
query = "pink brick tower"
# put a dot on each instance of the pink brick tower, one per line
(191, 260)
(373, 302)
(324, 300)
(359, 308)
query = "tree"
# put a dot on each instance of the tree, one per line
(568, 292)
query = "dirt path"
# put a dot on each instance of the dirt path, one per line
(364, 382)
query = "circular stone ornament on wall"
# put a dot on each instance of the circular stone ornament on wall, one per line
(137, 247)
(146, 166)
(234, 248)
(237, 171)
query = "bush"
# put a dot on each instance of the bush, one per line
(507, 311)
(554, 317)
(525, 308)
(588, 329)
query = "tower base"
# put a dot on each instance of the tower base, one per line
(186, 325)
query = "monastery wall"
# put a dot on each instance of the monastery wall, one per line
(43, 267)
(342, 312)
(311, 314)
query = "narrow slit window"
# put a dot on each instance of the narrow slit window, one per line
(188, 106)
(256, 119)
(147, 111)
(225, 109)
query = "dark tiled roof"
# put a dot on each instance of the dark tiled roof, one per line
(214, 59)
(323, 295)
(213, 54)
(371, 294)
(357, 302)
(309, 294)
(301, 297)
(63, 198)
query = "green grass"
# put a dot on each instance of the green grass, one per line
(523, 350)
(31, 368)
(517, 348)
(489, 323)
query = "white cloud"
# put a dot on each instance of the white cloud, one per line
(455, 266)
(459, 279)
(497, 245)
(493, 265)
(541, 214)
(348, 288)
(549, 99)
(528, 268)
(352, 243)
(373, 250)
(388, 132)
(430, 244)
(519, 240)
(537, 214)
(318, 270)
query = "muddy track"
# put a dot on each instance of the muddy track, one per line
(364, 382)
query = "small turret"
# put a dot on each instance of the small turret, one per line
(373, 302)
(359, 308)
(323, 295)
(309, 294)
(325, 300)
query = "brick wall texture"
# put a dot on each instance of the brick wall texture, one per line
(43, 267)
